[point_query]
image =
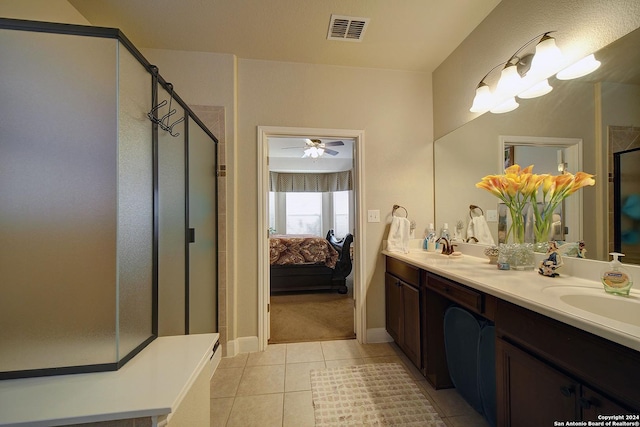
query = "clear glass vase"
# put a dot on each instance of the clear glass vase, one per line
(519, 256)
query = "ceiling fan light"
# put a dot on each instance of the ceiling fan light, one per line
(508, 105)
(586, 65)
(482, 100)
(539, 89)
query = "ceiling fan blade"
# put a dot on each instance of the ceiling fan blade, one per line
(330, 151)
(333, 144)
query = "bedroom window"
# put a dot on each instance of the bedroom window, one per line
(340, 213)
(304, 213)
(311, 213)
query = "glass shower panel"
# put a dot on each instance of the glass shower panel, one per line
(627, 206)
(172, 223)
(203, 301)
(135, 205)
(58, 200)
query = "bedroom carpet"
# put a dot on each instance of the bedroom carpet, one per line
(370, 395)
(311, 317)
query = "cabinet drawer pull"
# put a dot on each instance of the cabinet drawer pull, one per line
(566, 391)
(585, 403)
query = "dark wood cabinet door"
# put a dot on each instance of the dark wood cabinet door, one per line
(411, 323)
(593, 404)
(393, 307)
(531, 393)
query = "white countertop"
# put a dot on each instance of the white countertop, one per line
(152, 384)
(538, 293)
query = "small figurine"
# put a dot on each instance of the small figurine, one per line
(582, 249)
(552, 262)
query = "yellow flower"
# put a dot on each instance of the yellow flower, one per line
(518, 186)
(581, 179)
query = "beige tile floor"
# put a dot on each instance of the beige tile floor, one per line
(272, 388)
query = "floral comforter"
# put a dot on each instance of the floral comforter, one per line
(301, 249)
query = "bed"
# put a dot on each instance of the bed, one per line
(309, 263)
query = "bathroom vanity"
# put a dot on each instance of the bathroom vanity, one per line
(555, 360)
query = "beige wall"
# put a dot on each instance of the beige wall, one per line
(583, 26)
(394, 110)
(42, 10)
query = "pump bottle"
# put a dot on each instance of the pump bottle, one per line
(615, 279)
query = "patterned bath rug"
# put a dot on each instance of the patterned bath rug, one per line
(370, 395)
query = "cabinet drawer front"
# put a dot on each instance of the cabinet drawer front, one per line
(404, 271)
(584, 355)
(462, 295)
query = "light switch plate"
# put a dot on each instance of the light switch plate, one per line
(373, 215)
(492, 215)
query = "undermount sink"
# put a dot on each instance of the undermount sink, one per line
(620, 308)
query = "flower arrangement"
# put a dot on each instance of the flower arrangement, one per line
(519, 186)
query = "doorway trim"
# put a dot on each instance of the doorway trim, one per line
(264, 133)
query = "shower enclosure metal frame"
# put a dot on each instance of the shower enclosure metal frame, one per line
(147, 332)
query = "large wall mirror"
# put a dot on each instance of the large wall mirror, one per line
(602, 110)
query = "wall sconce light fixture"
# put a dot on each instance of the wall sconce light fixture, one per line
(526, 76)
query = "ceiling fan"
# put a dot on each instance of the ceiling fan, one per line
(315, 148)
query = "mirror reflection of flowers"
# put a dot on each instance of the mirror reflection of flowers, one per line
(516, 187)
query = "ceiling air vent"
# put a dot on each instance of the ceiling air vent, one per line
(347, 28)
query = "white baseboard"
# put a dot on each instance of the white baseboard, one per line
(376, 335)
(241, 345)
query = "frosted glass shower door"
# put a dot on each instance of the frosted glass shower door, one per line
(203, 301)
(172, 223)
(76, 211)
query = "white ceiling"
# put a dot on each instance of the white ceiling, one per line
(402, 34)
(285, 155)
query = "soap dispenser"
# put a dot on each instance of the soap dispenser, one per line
(615, 279)
(430, 240)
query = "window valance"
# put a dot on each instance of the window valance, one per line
(310, 182)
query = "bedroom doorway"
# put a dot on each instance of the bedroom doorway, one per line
(299, 158)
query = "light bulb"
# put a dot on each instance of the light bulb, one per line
(586, 65)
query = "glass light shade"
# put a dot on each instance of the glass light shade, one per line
(586, 65)
(547, 56)
(509, 82)
(313, 152)
(539, 89)
(508, 105)
(482, 100)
